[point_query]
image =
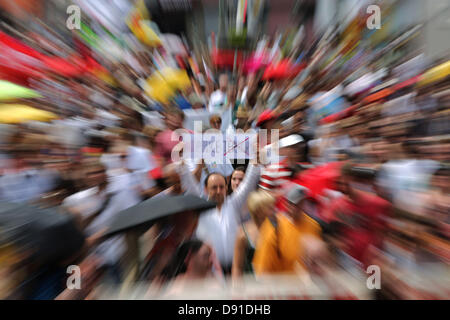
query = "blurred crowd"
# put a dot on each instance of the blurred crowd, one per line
(363, 177)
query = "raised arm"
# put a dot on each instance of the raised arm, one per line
(188, 182)
(250, 182)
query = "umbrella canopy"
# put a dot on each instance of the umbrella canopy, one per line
(62, 66)
(9, 91)
(226, 58)
(435, 74)
(254, 63)
(47, 235)
(18, 113)
(162, 86)
(282, 70)
(147, 212)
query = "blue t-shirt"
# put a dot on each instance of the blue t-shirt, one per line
(182, 102)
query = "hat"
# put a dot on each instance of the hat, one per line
(267, 115)
(291, 140)
(242, 112)
(297, 194)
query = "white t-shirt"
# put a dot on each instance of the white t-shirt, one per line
(90, 201)
(405, 180)
(217, 101)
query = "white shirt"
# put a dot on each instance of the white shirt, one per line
(219, 228)
(140, 160)
(90, 201)
(405, 180)
(217, 101)
(25, 185)
(87, 202)
(113, 249)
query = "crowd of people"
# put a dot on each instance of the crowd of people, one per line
(370, 187)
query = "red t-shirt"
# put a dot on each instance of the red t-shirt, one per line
(364, 221)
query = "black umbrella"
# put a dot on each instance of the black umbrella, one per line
(47, 235)
(148, 211)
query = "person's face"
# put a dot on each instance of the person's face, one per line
(236, 179)
(215, 123)
(293, 153)
(201, 260)
(173, 121)
(216, 188)
(223, 83)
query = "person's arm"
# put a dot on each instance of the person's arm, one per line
(250, 182)
(86, 221)
(198, 171)
(211, 102)
(239, 255)
(188, 182)
(146, 194)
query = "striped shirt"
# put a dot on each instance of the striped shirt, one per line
(274, 175)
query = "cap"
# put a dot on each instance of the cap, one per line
(267, 115)
(290, 140)
(297, 194)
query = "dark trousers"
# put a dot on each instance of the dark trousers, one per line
(226, 269)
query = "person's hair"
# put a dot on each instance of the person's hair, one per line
(178, 263)
(258, 200)
(212, 174)
(443, 171)
(215, 118)
(238, 168)
(175, 111)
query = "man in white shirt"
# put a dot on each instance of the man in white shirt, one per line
(140, 162)
(96, 207)
(218, 98)
(218, 226)
(406, 177)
